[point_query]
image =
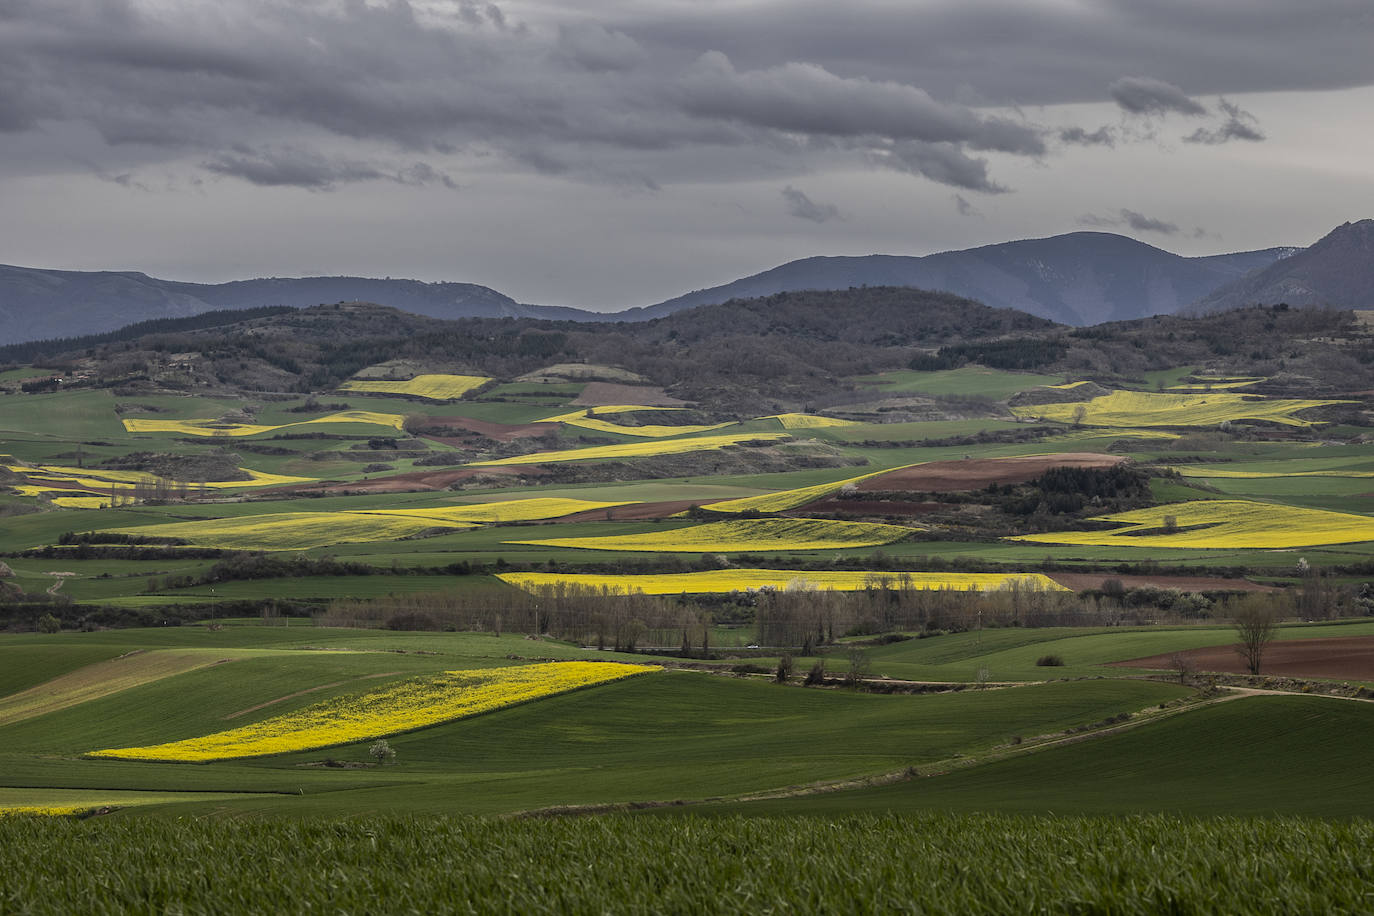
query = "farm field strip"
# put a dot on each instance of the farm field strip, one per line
(741, 535)
(1138, 408)
(434, 387)
(406, 706)
(211, 427)
(634, 449)
(782, 500)
(102, 679)
(731, 580)
(513, 510)
(68, 802)
(1229, 524)
(291, 530)
(1205, 471)
(106, 481)
(807, 421)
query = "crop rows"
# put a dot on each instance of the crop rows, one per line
(732, 580)
(933, 864)
(1137, 408)
(742, 535)
(1220, 523)
(635, 449)
(402, 707)
(432, 387)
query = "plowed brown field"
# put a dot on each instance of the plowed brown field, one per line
(1079, 581)
(1340, 658)
(976, 473)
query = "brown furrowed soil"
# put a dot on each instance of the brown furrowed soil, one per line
(605, 394)
(1339, 658)
(977, 473)
(1080, 581)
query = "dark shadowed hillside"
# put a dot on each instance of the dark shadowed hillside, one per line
(1337, 271)
(1081, 278)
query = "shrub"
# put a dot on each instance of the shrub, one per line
(1050, 661)
(816, 675)
(49, 624)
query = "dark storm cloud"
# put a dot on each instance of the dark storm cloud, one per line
(1130, 219)
(639, 94)
(803, 207)
(1143, 95)
(1239, 125)
(965, 208)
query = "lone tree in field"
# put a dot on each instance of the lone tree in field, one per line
(1256, 622)
(382, 752)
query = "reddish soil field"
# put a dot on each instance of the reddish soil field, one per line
(501, 432)
(634, 511)
(1080, 581)
(606, 394)
(870, 507)
(1338, 658)
(976, 473)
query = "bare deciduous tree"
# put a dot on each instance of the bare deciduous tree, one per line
(1256, 622)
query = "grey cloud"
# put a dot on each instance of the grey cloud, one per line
(1078, 136)
(944, 163)
(808, 98)
(594, 47)
(1239, 125)
(803, 207)
(1145, 95)
(1130, 219)
(964, 207)
(287, 167)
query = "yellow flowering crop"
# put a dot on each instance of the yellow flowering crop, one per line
(81, 502)
(401, 707)
(580, 418)
(731, 580)
(1139, 408)
(742, 535)
(515, 510)
(1199, 470)
(433, 387)
(43, 810)
(783, 500)
(125, 481)
(635, 449)
(217, 428)
(1230, 524)
(291, 530)
(806, 421)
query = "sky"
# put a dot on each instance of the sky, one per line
(609, 153)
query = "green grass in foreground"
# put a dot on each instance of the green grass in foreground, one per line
(1257, 755)
(935, 864)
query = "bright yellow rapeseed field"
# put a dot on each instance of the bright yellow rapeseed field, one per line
(1139, 408)
(783, 500)
(589, 419)
(1232, 524)
(291, 530)
(635, 449)
(402, 707)
(432, 387)
(103, 481)
(806, 421)
(731, 580)
(515, 510)
(742, 535)
(218, 428)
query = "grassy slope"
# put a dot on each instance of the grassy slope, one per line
(1259, 755)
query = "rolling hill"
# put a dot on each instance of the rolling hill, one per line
(1337, 271)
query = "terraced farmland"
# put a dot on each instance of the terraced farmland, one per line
(1137, 408)
(742, 536)
(1221, 524)
(432, 387)
(731, 580)
(290, 530)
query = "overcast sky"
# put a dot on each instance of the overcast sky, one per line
(614, 153)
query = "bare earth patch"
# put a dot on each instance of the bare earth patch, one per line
(633, 511)
(977, 473)
(501, 432)
(1337, 658)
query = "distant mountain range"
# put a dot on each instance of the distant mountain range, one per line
(1338, 270)
(1081, 278)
